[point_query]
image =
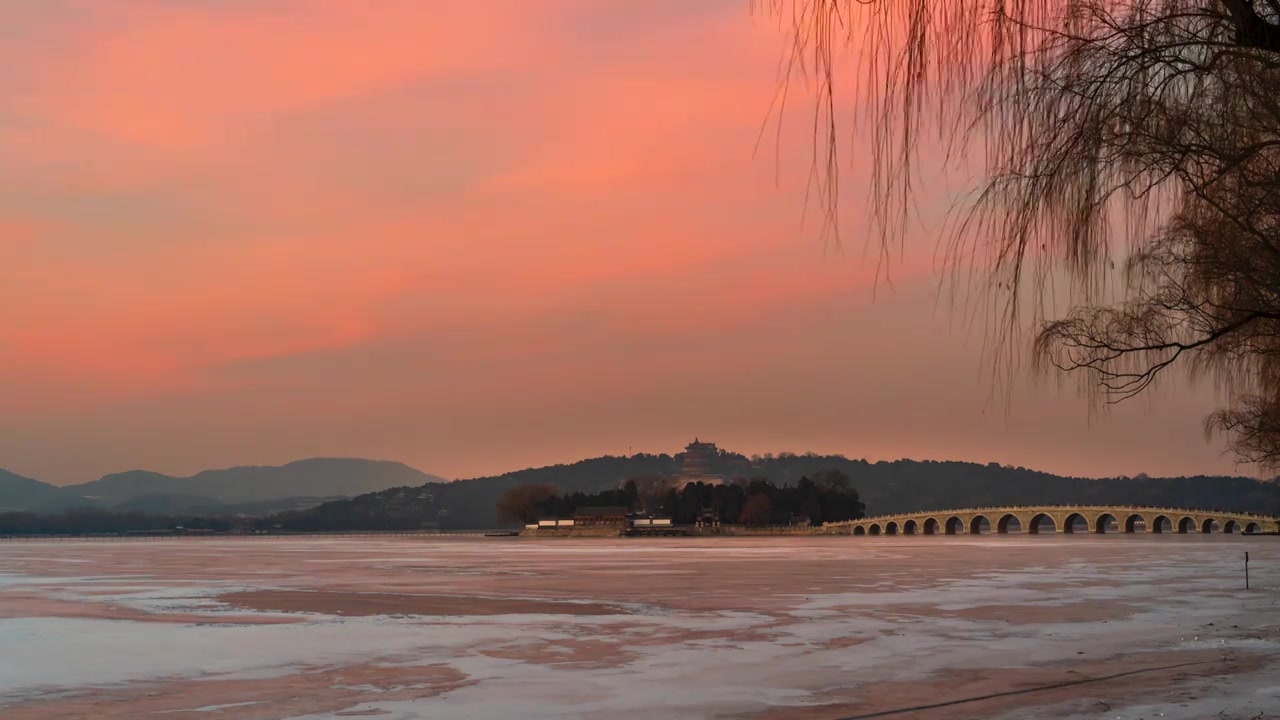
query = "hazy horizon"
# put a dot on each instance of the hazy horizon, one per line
(634, 452)
(472, 239)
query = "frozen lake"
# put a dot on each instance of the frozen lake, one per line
(779, 628)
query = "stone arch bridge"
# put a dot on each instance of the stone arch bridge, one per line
(1098, 519)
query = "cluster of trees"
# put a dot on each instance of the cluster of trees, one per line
(521, 503)
(463, 504)
(528, 503)
(395, 509)
(825, 498)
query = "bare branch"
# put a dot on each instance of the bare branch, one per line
(1147, 128)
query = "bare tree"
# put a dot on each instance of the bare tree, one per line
(520, 503)
(757, 510)
(651, 490)
(1140, 130)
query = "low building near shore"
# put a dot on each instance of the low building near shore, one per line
(603, 522)
(651, 522)
(596, 517)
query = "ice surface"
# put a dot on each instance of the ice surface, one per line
(702, 628)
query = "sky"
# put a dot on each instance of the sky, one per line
(472, 237)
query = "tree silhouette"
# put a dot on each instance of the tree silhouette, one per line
(520, 503)
(758, 510)
(1146, 128)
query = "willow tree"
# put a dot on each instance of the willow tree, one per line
(1143, 131)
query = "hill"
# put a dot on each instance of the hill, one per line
(265, 489)
(22, 493)
(885, 487)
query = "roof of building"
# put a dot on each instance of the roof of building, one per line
(599, 511)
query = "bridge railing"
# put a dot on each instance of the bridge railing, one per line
(1112, 509)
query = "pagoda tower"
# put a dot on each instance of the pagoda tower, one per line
(697, 458)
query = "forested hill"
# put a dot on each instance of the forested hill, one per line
(885, 487)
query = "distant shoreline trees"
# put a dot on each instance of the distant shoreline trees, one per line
(520, 503)
(825, 498)
(105, 522)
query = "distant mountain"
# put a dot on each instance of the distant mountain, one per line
(267, 489)
(885, 487)
(119, 487)
(170, 504)
(20, 493)
(317, 477)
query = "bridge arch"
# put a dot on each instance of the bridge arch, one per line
(1010, 523)
(977, 523)
(1131, 523)
(1106, 523)
(1041, 523)
(1060, 519)
(1075, 522)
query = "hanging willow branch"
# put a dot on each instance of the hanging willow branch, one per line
(1146, 129)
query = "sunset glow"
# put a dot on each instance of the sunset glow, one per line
(472, 237)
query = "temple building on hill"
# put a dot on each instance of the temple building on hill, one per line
(697, 458)
(697, 464)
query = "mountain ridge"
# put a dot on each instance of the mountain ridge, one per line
(18, 491)
(221, 489)
(354, 492)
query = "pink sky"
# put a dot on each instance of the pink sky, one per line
(473, 237)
